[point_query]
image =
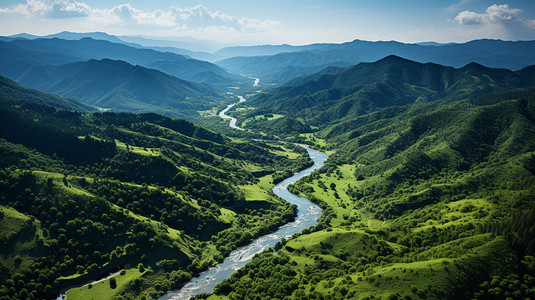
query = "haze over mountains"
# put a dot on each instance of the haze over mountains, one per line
(59, 63)
(171, 63)
(306, 60)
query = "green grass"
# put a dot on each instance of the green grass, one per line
(313, 139)
(266, 182)
(102, 290)
(71, 186)
(344, 206)
(209, 113)
(12, 221)
(138, 150)
(21, 239)
(227, 215)
(254, 192)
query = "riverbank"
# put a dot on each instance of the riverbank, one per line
(308, 214)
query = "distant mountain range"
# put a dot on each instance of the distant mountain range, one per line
(104, 70)
(309, 59)
(120, 86)
(340, 94)
(62, 51)
(189, 47)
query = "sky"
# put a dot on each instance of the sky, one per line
(295, 22)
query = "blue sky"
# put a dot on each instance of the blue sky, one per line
(277, 21)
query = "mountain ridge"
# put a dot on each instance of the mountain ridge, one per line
(167, 62)
(342, 94)
(491, 53)
(121, 86)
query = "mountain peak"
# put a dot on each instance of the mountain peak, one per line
(393, 58)
(473, 66)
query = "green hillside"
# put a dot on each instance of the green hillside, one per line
(422, 200)
(336, 95)
(10, 89)
(120, 86)
(85, 194)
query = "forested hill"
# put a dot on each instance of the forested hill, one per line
(83, 194)
(11, 92)
(120, 86)
(335, 95)
(427, 200)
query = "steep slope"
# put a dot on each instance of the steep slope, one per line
(120, 86)
(491, 53)
(340, 94)
(167, 62)
(14, 60)
(82, 195)
(10, 90)
(422, 201)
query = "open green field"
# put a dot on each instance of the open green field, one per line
(102, 289)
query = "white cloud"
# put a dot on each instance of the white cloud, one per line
(197, 18)
(494, 14)
(49, 9)
(469, 18)
(498, 21)
(502, 13)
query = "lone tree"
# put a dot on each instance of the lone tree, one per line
(113, 283)
(333, 186)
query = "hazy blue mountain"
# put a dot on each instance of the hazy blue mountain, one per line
(10, 90)
(14, 60)
(281, 67)
(491, 53)
(120, 86)
(137, 42)
(338, 94)
(187, 53)
(24, 36)
(68, 35)
(182, 42)
(170, 63)
(260, 50)
(433, 44)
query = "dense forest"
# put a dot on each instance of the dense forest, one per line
(85, 194)
(337, 95)
(422, 200)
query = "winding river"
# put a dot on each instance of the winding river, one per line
(223, 114)
(308, 214)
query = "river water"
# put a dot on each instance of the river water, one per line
(308, 214)
(223, 114)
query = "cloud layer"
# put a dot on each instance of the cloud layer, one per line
(498, 21)
(495, 14)
(55, 9)
(197, 18)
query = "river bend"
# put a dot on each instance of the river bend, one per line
(308, 214)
